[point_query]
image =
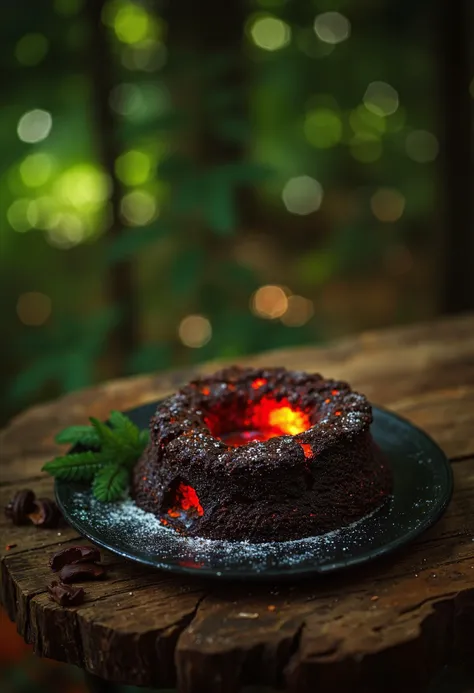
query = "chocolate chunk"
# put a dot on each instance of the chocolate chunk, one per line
(72, 555)
(65, 595)
(45, 513)
(20, 506)
(78, 572)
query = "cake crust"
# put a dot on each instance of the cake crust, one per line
(316, 469)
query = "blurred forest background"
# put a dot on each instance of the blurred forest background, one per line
(189, 180)
(183, 182)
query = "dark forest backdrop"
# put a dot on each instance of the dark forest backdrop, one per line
(183, 181)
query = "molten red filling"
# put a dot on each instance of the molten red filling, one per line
(186, 501)
(267, 419)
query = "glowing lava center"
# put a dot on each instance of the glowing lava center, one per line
(269, 419)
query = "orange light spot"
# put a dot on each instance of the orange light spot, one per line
(327, 401)
(337, 413)
(287, 420)
(334, 392)
(205, 391)
(258, 382)
(308, 452)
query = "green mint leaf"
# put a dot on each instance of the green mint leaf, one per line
(110, 483)
(121, 443)
(81, 466)
(124, 427)
(130, 440)
(84, 435)
(144, 438)
(110, 443)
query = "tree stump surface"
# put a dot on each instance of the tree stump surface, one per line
(387, 626)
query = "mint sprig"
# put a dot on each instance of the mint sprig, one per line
(116, 448)
(110, 482)
(80, 466)
(85, 435)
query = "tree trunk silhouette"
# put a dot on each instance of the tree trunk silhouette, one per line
(119, 279)
(205, 31)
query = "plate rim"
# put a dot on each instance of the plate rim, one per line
(295, 571)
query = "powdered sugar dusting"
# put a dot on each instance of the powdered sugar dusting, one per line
(142, 533)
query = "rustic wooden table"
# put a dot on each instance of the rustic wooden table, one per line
(388, 626)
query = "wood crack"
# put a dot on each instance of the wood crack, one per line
(461, 458)
(429, 600)
(292, 650)
(24, 482)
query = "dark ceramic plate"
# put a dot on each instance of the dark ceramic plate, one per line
(422, 489)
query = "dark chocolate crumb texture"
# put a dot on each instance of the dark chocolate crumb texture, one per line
(261, 455)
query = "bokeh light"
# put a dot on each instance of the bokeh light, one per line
(133, 167)
(302, 195)
(67, 231)
(422, 146)
(148, 55)
(366, 147)
(332, 27)
(139, 102)
(126, 99)
(83, 186)
(31, 49)
(323, 128)
(270, 33)
(131, 23)
(299, 311)
(269, 302)
(36, 169)
(42, 212)
(195, 331)
(33, 308)
(138, 207)
(17, 215)
(362, 120)
(381, 98)
(308, 44)
(34, 126)
(32, 214)
(387, 204)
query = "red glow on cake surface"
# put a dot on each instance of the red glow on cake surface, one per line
(258, 382)
(186, 500)
(308, 452)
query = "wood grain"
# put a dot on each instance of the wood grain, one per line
(406, 615)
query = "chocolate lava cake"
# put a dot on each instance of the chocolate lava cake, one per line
(261, 455)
